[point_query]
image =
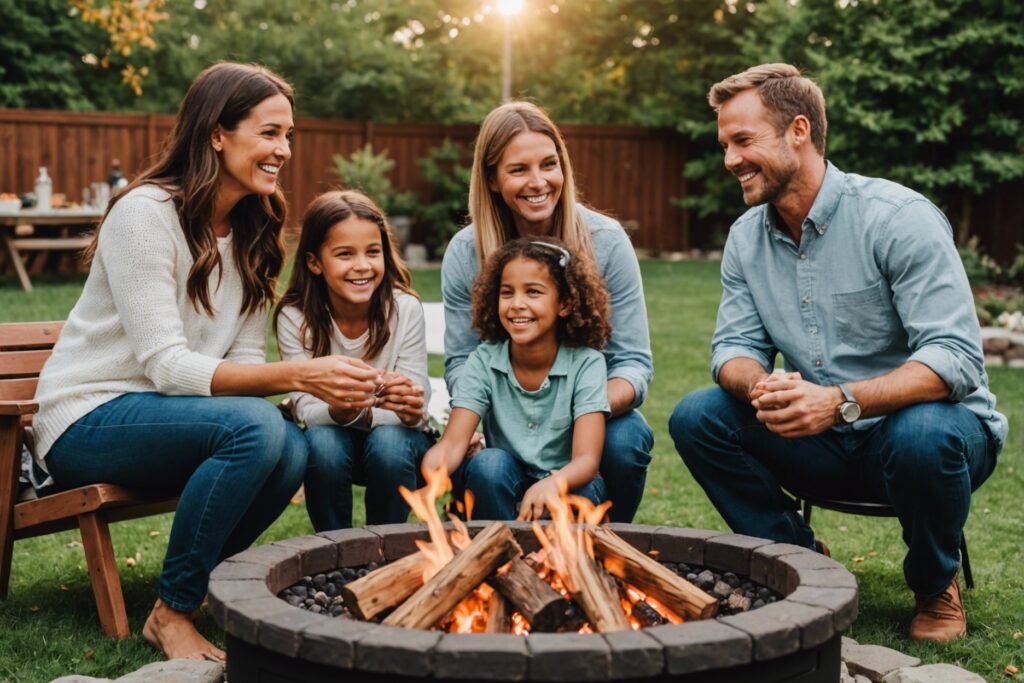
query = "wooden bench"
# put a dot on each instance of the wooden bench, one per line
(24, 347)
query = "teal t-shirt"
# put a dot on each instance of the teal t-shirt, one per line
(535, 426)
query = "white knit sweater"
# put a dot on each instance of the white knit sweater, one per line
(405, 353)
(134, 327)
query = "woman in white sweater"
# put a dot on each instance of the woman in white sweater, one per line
(152, 383)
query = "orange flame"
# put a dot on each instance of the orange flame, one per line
(439, 550)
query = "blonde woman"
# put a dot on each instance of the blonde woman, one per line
(522, 186)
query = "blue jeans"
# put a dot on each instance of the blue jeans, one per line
(233, 460)
(923, 460)
(628, 442)
(498, 480)
(385, 458)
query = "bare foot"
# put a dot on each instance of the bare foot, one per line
(173, 633)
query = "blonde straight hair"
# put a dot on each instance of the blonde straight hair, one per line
(491, 216)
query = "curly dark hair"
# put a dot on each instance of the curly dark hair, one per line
(579, 285)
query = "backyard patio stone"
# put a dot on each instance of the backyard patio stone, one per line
(933, 673)
(172, 671)
(874, 661)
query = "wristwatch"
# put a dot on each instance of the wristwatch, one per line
(849, 409)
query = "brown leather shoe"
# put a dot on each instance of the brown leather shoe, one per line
(942, 618)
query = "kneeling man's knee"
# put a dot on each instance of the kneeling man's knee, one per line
(692, 415)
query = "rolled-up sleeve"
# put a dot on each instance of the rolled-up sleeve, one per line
(457, 274)
(739, 331)
(628, 351)
(932, 296)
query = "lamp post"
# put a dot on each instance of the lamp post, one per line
(508, 9)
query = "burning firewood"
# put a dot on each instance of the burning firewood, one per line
(499, 615)
(598, 595)
(384, 588)
(541, 605)
(636, 568)
(491, 548)
(646, 615)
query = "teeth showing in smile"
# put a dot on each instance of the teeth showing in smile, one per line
(539, 199)
(361, 282)
(747, 176)
(520, 321)
(269, 168)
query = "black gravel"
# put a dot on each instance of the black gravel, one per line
(321, 593)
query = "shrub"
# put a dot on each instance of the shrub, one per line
(368, 173)
(448, 177)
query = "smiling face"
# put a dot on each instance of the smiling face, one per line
(529, 178)
(351, 261)
(528, 303)
(761, 159)
(253, 153)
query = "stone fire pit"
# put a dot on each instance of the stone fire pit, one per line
(794, 639)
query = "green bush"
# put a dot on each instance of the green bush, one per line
(448, 177)
(368, 173)
(981, 269)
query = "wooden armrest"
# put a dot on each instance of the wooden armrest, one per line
(18, 407)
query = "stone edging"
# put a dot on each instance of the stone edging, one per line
(1002, 347)
(821, 602)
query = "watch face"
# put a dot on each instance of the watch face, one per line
(850, 411)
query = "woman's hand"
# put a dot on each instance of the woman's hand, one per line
(400, 394)
(532, 505)
(346, 383)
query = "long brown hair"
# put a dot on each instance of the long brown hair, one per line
(579, 286)
(188, 168)
(307, 291)
(492, 218)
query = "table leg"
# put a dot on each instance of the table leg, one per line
(19, 266)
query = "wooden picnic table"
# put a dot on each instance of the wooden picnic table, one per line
(55, 229)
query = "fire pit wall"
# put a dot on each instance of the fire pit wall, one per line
(794, 639)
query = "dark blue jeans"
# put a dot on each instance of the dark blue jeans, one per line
(924, 460)
(384, 459)
(233, 460)
(628, 442)
(498, 480)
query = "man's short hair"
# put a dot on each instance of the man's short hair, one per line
(784, 91)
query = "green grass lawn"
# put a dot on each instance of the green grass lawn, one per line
(48, 625)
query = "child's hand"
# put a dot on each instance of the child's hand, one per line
(347, 383)
(401, 395)
(476, 444)
(532, 505)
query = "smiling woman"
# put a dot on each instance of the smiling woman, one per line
(153, 382)
(522, 185)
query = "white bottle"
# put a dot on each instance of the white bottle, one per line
(44, 190)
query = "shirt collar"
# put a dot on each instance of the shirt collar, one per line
(502, 362)
(825, 203)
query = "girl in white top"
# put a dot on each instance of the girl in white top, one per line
(351, 295)
(154, 382)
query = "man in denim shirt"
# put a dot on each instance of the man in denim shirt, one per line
(857, 283)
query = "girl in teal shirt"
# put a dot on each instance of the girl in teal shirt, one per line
(538, 383)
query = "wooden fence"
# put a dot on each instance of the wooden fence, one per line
(632, 173)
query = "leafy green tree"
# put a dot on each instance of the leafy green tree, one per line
(447, 170)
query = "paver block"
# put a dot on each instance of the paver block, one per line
(316, 554)
(702, 645)
(333, 642)
(637, 535)
(842, 602)
(933, 673)
(229, 569)
(772, 636)
(399, 540)
(874, 661)
(634, 654)
(568, 657)
(225, 592)
(394, 650)
(731, 552)
(763, 564)
(282, 564)
(815, 623)
(481, 656)
(682, 545)
(281, 632)
(356, 547)
(243, 617)
(177, 671)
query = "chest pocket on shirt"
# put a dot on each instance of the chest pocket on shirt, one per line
(865, 319)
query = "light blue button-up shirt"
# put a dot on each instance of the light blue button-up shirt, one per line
(876, 281)
(535, 426)
(628, 350)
